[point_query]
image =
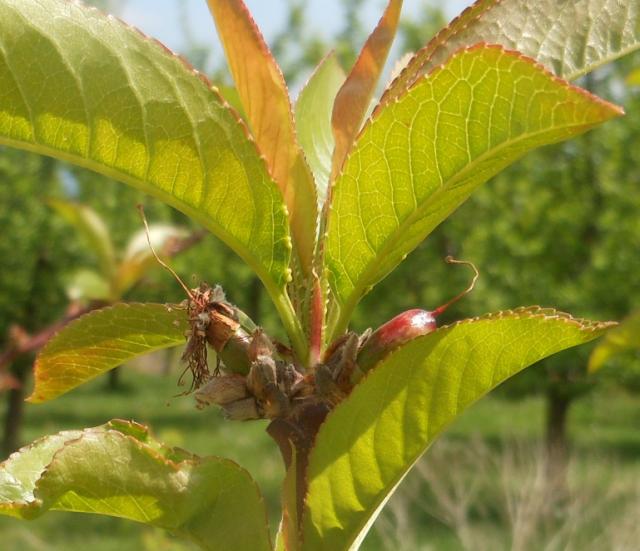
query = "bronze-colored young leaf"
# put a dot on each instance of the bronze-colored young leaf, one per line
(353, 99)
(369, 442)
(118, 469)
(569, 38)
(102, 340)
(265, 99)
(422, 156)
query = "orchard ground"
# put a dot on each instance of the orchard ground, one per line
(488, 494)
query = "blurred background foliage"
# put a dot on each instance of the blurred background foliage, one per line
(560, 228)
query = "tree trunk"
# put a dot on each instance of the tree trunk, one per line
(15, 407)
(113, 382)
(556, 439)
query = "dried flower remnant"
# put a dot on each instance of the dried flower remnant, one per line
(195, 353)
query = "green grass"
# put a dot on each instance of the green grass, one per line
(603, 428)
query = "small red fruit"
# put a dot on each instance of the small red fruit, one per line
(404, 328)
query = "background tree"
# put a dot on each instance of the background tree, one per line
(34, 254)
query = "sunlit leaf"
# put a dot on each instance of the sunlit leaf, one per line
(353, 98)
(85, 88)
(370, 441)
(569, 38)
(313, 119)
(423, 155)
(102, 340)
(265, 99)
(118, 470)
(618, 340)
(92, 229)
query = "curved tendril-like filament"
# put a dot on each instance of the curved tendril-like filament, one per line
(158, 259)
(450, 260)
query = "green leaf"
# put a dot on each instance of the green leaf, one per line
(618, 340)
(19, 474)
(92, 229)
(370, 441)
(102, 340)
(354, 97)
(265, 99)
(569, 38)
(118, 470)
(422, 157)
(313, 120)
(85, 88)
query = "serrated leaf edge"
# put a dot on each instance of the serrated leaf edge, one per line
(433, 44)
(46, 349)
(522, 312)
(380, 108)
(83, 318)
(90, 165)
(187, 65)
(176, 466)
(604, 104)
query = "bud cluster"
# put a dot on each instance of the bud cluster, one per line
(252, 379)
(256, 378)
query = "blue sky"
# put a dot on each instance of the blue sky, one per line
(160, 18)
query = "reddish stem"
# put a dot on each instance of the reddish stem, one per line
(316, 322)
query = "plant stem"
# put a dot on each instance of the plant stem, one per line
(339, 321)
(291, 323)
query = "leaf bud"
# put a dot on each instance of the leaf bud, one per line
(263, 382)
(222, 390)
(397, 331)
(261, 346)
(404, 327)
(242, 410)
(229, 339)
